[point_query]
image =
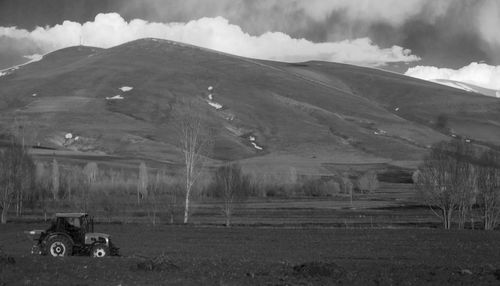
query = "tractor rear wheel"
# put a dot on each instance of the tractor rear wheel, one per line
(100, 250)
(59, 246)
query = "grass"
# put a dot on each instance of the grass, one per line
(305, 116)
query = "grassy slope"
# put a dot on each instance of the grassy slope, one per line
(418, 101)
(304, 115)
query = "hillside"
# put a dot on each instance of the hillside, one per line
(271, 116)
(469, 87)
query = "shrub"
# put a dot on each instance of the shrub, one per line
(367, 183)
(442, 122)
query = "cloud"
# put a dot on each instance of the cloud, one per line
(108, 30)
(478, 74)
(265, 12)
(393, 12)
(387, 22)
(488, 21)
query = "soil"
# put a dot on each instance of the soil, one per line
(197, 255)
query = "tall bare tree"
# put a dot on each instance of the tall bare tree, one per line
(155, 199)
(231, 184)
(73, 174)
(19, 134)
(90, 171)
(368, 182)
(42, 185)
(465, 177)
(55, 179)
(142, 183)
(195, 142)
(489, 188)
(446, 181)
(16, 175)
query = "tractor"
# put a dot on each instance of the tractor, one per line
(71, 234)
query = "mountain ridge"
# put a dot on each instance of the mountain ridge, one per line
(310, 114)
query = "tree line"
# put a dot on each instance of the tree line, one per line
(45, 186)
(460, 182)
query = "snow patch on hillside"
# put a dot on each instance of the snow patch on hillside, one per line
(116, 97)
(126, 88)
(32, 59)
(8, 71)
(257, 146)
(215, 104)
(253, 141)
(210, 99)
(455, 84)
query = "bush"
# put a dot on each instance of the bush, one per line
(367, 183)
(346, 185)
(276, 191)
(442, 122)
(322, 187)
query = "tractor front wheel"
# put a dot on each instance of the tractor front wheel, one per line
(59, 246)
(100, 250)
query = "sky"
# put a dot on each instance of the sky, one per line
(429, 39)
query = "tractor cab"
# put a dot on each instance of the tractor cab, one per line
(75, 225)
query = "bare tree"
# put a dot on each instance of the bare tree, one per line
(73, 173)
(231, 184)
(446, 181)
(195, 141)
(368, 182)
(55, 179)
(22, 134)
(172, 195)
(347, 186)
(42, 186)
(16, 175)
(142, 183)
(155, 196)
(489, 188)
(165, 196)
(465, 177)
(90, 171)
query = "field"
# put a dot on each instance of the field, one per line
(265, 256)
(383, 238)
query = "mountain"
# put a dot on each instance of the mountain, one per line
(118, 105)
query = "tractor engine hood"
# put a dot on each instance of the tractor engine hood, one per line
(34, 234)
(96, 237)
